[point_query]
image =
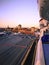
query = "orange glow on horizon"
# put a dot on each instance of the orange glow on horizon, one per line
(10, 23)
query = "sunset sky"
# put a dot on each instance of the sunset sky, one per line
(14, 12)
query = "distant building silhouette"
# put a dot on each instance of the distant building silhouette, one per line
(32, 29)
(15, 29)
(2, 29)
(19, 26)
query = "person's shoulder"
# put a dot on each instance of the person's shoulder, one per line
(45, 38)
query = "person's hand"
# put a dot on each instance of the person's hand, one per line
(42, 31)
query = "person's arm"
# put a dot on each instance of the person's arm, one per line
(42, 31)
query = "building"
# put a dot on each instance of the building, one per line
(25, 31)
(15, 29)
(32, 29)
(2, 29)
(19, 26)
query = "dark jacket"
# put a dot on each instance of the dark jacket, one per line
(45, 38)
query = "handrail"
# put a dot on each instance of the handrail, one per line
(27, 53)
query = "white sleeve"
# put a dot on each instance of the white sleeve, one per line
(39, 58)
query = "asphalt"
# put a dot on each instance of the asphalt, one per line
(13, 48)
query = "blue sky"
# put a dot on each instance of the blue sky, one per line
(14, 12)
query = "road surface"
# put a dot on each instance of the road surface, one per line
(13, 49)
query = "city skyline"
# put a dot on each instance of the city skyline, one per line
(14, 12)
